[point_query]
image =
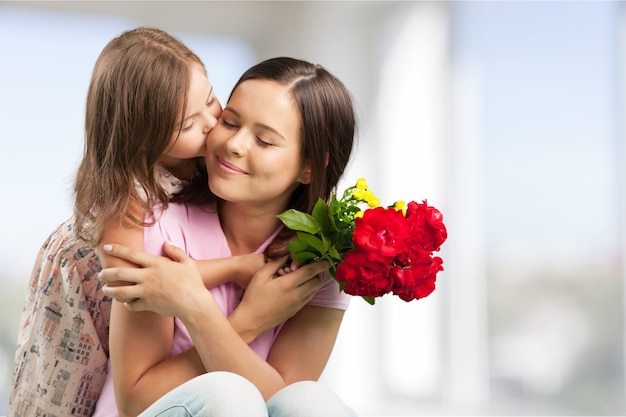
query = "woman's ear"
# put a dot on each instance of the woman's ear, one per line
(305, 176)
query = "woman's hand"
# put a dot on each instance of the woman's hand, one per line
(171, 287)
(161, 285)
(270, 299)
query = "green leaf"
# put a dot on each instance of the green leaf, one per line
(332, 251)
(370, 300)
(326, 243)
(299, 221)
(321, 214)
(304, 257)
(312, 241)
(297, 245)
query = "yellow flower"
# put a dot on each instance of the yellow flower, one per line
(358, 214)
(371, 199)
(361, 184)
(373, 202)
(359, 194)
(400, 205)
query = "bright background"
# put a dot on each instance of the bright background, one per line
(505, 115)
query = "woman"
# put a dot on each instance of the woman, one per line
(283, 141)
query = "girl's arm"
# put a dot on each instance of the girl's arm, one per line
(268, 302)
(238, 269)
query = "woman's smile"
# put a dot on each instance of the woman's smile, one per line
(228, 168)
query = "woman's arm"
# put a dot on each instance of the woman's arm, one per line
(137, 341)
(267, 302)
(303, 346)
(300, 352)
(221, 344)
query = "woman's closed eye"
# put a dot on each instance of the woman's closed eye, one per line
(264, 143)
(229, 124)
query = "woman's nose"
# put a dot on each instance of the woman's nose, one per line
(237, 144)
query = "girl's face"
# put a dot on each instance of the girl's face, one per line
(253, 153)
(202, 111)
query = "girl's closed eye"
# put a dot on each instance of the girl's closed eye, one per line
(188, 125)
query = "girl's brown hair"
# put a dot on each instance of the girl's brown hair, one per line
(135, 106)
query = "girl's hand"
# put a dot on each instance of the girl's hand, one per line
(164, 286)
(248, 266)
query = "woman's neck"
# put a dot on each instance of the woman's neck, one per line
(246, 227)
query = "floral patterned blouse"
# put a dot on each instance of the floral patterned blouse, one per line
(62, 346)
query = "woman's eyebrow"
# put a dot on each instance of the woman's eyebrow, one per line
(257, 125)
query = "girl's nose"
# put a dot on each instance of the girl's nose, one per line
(209, 123)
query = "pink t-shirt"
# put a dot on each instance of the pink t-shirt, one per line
(198, 232)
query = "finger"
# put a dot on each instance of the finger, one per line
(311, 285)
(136, 305)
(122, 294)
(272, 267)
(295, 264)
(175, 253)
(118, 276)
(303, 274)
(129, 254)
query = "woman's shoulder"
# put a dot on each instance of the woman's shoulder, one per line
(186, 213)
(187, 226)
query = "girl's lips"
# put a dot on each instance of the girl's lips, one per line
(228, 167)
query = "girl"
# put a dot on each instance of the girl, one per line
(149, 109)
(283, 141)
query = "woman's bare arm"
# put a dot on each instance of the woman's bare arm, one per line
(221, 343)
(138, 340)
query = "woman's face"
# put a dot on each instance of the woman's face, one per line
(253, 153)
(201, 113)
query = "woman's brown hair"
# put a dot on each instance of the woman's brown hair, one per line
(135, 106)
(328, 127)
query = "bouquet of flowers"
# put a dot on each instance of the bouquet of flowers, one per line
(374, 251)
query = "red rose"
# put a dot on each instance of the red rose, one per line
(426, 225)
(363, 277)
(417, 280)
(381, 233)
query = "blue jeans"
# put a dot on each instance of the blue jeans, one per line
(224, 394)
